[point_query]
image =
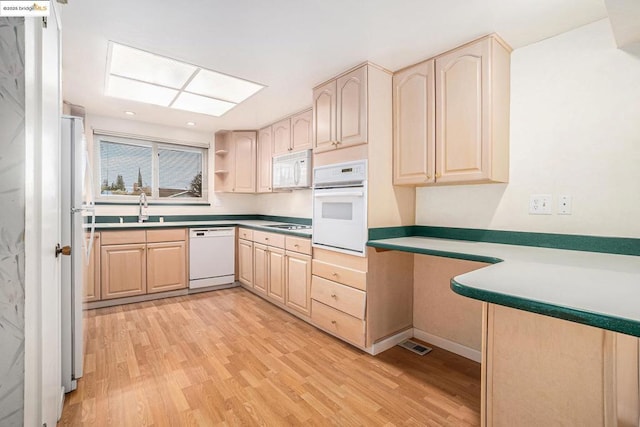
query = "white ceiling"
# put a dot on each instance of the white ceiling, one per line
(288, 45)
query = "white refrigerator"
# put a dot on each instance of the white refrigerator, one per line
(78, 220)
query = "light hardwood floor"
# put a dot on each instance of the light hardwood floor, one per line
(230, 358)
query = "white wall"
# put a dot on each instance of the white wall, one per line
(575, 129)
(296, 203)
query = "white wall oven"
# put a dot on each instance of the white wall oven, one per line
(340, 207)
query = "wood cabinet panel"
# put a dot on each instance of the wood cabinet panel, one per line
(245, 233)
(298, 271)
(341, 324)
(245, 262)
(271, 239)
(123, 237)
(166, 266)
(124, 270)
(337, 273)
(245, 162)
(281, 137)
(260, 268)
(324, 116)
(298, 244)
(414, 125)
(167, 235)
(351, 98)
(91, 270)
(276, 282)
(265, 155)
(302, 131)
(344, 298)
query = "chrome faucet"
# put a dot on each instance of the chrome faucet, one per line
(142, 214)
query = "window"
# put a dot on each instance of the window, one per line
(167, 172)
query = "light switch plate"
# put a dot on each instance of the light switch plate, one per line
(540, 204)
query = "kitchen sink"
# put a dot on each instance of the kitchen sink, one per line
(290, 226)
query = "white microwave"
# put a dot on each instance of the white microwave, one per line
(292, 170)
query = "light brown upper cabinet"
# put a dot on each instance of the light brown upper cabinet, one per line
(235, 162)
(469, 116)
(340, 111)
(301, 131)
(265, 153)
(281, 137)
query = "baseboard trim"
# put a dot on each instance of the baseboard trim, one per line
(451, 346)
(385, 344)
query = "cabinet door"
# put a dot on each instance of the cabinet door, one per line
(414, 132)
(301, 131)
(244, 162)
(276, 274)
(245, 262)
(281, 137)
(260, 268)
(462, 114)
(265, 153)
(324, 117)
(123, 270)
(166, 266)
(91, 270)
(298, 295)
(351, 108)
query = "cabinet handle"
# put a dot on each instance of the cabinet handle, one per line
(334, 296)
(334, 274)
(438, 175)
(333, 322)
(266, 238)
(428, 176)
(296, 245)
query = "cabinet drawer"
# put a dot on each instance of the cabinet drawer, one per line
(346, 276)
(271, 239)
(298, 244)
(166, 235)
(123, 237)
(344, 298)
(245, 233)
(339, 323)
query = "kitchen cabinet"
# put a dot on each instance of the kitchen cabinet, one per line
(139, 262)
(340, 111)
(265, 164)
(91, 270)
(275, 284)
(235, 162)
(124, 272)
(281, 137)
(301, 131)
(245, 262)
(260, 267)
(298, 274)
(451, 117)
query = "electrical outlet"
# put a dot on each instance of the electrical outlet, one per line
(540, 204)
(564, 205)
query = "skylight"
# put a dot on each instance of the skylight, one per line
(141, 76)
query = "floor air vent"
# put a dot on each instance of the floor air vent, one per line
(415, 347)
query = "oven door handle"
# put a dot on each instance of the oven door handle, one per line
(338, 194)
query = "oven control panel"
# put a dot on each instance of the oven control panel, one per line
(340, 173)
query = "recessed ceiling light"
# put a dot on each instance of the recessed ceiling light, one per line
(130, 113)
(142, 76)
(191, 123)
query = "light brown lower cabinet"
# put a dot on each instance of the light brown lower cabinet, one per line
(260, 267)
(124, 272)
(275, 284)
(166, 267)
(138, 262)
(539, 370)
(91, 270)
(298, 280)
(245, 262)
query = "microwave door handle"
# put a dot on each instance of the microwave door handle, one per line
(296, 173)
(337, 194)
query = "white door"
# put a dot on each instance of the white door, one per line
(43, 390)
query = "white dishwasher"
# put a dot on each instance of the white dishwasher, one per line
(211, 257)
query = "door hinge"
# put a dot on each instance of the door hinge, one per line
(44, 22)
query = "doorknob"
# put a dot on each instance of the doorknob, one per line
(65, 250)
